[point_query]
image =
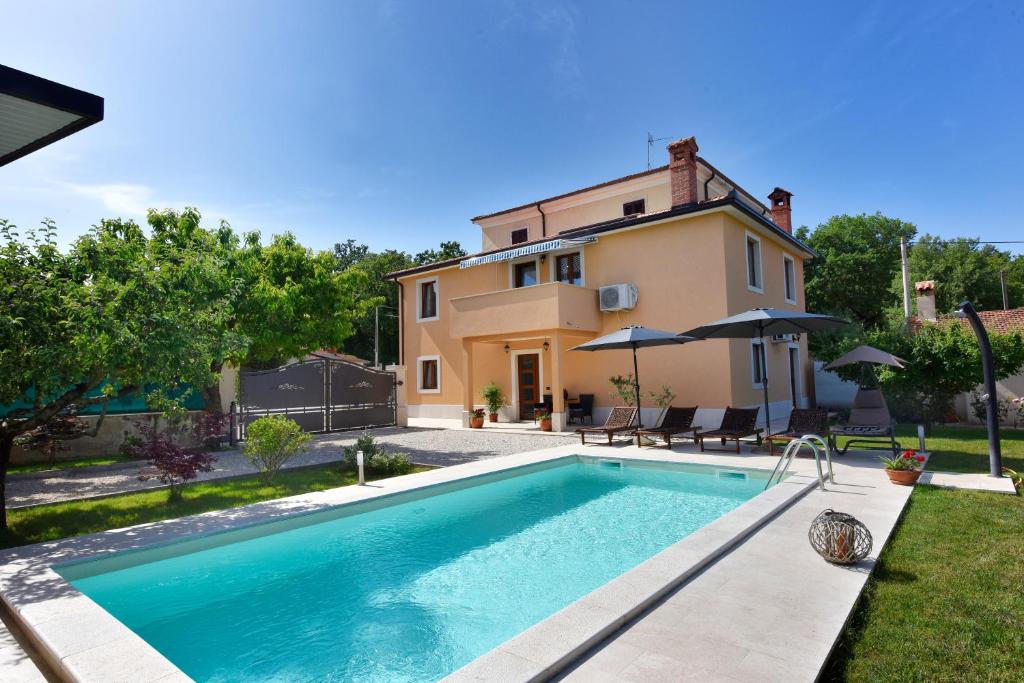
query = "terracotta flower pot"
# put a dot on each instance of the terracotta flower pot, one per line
(476, 422)
(903, 477)
(545, 425)
(493, 417)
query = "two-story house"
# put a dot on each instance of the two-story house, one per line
(681, 245)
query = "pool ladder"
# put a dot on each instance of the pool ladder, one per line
(791, 450)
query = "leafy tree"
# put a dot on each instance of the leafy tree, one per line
(448, 250)
(944, 361)
(349, 253)
(115, 312)
(852, 274)
(964, 269)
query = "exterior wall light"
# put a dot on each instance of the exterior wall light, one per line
(546, 346)
(507, 348)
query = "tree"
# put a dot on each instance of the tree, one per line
(964, 269)
(852, 274)
(448, 250)
(117, 312)
(944, 361)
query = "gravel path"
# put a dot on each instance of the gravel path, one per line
(440, 447)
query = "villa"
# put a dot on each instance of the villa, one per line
(671, 248)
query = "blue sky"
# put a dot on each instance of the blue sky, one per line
(394, 122)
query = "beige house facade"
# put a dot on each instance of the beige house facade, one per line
(670, 248)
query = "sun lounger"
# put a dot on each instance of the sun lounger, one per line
(801, 421)
(676, 421)
(737, 423)
(619, 420)
(870, 420)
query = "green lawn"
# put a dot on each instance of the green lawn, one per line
(60, 520)
(962, 449)
(68, 464)
(946, 602)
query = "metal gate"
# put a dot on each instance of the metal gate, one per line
(321, 395)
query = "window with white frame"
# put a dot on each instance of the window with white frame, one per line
(758, 363)
(569, 268)
(428, 374)
(520, 235)
(789, 277)
(524, 273)
(426, 300)
(754, 277)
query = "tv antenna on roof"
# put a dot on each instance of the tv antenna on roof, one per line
(650, 145)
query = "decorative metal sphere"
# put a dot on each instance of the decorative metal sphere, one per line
(839, 537)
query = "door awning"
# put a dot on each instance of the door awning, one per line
(517, 252)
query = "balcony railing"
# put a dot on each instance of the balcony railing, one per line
(550, 306)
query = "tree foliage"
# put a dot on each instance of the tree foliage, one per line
(271, 441)
(852, 274)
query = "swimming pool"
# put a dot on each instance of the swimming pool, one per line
(412, 586)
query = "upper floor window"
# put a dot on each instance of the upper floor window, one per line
(754, 280)
(634, 207)
(521, 235)
(524, 274)
(426, 306)
(789, 275)
(569, 268)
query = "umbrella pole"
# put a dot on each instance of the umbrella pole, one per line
(636, 384)
(764, 385)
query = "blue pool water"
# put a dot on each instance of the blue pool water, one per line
(410, 591)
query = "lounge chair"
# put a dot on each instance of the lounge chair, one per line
(676, 421)
(619, 420)
(582, 410)
(801, 421)
(870, 420)
(737, 423)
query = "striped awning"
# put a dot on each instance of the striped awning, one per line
(540, 247)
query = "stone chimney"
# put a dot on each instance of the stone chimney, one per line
(682, 165)
(782, 212)
(925, 299)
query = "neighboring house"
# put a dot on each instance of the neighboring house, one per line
(683, 240)
(995, 322)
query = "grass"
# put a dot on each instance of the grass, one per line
(946, 602)
(68, 464)
(61, 520)
(962, 449)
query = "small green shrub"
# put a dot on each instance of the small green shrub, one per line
(376, 460)
(272, 441)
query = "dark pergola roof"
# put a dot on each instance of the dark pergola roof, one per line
(35, 112)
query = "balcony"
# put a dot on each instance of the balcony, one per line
(550, 306)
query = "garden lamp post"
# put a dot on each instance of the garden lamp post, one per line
(988, 369)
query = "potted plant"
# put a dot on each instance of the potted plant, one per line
(495, 399)
(905, 468)
(476, 420)
(544, 416)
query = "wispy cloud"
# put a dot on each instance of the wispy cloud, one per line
(124, 199)
(557, 20)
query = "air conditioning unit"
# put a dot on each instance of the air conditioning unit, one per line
(782, 338)
(617, 297)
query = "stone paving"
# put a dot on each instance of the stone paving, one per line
(425, 446)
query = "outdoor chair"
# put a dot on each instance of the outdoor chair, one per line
(801, 421)
(676, 421)
(870, 420)
(619, 420)
(583, 410)
(737, 423)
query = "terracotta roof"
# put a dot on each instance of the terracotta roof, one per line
(999, 322)
(615, 224)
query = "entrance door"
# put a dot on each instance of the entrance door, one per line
(528, 384)
(794, 375)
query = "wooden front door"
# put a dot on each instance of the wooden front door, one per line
(528, 384)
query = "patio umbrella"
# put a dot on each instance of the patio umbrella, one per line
(758, 323)
(867, 354)
(633, 337)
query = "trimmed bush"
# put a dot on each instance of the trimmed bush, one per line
(272, 441)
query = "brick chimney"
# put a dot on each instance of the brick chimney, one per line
(782, 212)
(925, 299)
(682, 165)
